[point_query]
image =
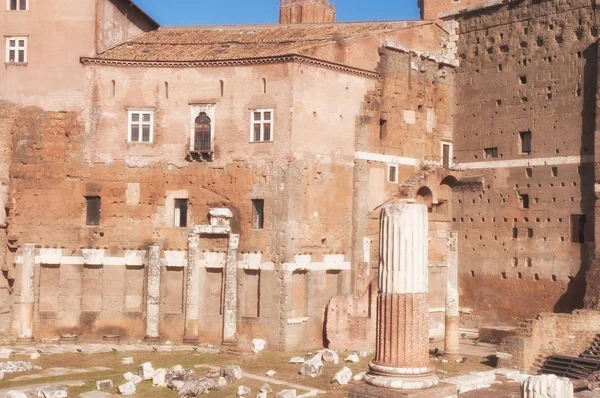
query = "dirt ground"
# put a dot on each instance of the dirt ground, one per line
(256, 365)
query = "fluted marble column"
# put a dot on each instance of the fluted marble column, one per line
(230, 297)
(451, 333)
(27, 293)
(153, 295)
(402, 340)
(192, 282)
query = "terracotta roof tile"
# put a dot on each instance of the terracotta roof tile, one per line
(240, 42)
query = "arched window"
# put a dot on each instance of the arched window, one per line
(202, 133)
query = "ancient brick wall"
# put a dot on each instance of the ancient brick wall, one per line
(527, 69)
(549, 334)
(430, 9)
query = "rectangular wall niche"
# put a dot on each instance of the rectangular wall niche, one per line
(258, 213)
(299, 294)
(92, 214)
(251, 293)
(578, 228)
(213, 304)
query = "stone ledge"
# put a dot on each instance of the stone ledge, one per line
(443, 390)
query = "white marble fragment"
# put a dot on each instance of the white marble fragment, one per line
(328, 355)
(243, 391)
(286, 394)
(342, 377)
(145, 371)
(547, 386)
(352, 358)
(258, 345)
(127, 388)
(271, 373)
(127, 361)
(313, 367)
(296, 360)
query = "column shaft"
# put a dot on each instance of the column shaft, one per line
(153, 294)
(451, 334)
(27, 292)
(192, 289)
(230, 297)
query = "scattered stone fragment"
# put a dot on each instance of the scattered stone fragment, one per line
(547, 386)
(261, 395)
(17, 366)
(127, 361)
(1, 376)
(176, 385)
(309, 394)
(342, 377)
(296, 360)
(135, 379)
(6, 354)
(286, 394)
(159, 378)
(472, 382)
(176, 368)
(176, 379)
(258, 345)
(271, 373)
(127, 388)
(266, 388)
(365, 353)
(104, 385)
(221, 382)
(213, 374)
(52, 392)
(328, 355)
(359, 376)
(441, 372)
(168, 343)
(15, 394)
(35, 355)
(243, 391)
(231, 373)
(145, 371)
(195, 387)
(444, 360)
(352, 358)
(313, 367)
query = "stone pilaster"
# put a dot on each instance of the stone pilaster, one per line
(192, 286)
(27, 293)
(153, 295)
(451, 334)
(402, 337)
(230, 297)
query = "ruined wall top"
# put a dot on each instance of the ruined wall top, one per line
(430, 9)
(306, 11)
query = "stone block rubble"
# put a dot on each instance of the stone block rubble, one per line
(547, 386)
(17, 366)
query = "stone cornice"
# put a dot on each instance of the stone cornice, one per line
(233, 62)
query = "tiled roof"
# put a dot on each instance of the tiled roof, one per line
(189, 44)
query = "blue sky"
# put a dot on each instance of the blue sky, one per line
(206, 12)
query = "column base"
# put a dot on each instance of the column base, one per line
(152, 340)
(363, 390)
(229, 343)
(401, 378)
(25, 341)
(190, 340)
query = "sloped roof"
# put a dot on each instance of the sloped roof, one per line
(131, 4)
(202, 43)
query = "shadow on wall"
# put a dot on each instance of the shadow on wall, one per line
(578, 294)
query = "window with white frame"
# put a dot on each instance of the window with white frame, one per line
(140, 127)
(16, 50)
(262, 125)
(392, 173)
(17, 5)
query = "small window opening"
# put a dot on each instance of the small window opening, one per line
(554, 278)
(528, 262)
(382, 129)
(114, 88)
(524, 201)
(393, 173)
(523, 79)
(536, 277)
(491, 153)
(530, 233)
(529, 172)
(222, 84)
(520, 275)
(264, 85)
(92, 210)
(525, 141)
(555, 172)
(167, 90)
(515, 233)
(504, 275)
(181, 211)
(258, 213)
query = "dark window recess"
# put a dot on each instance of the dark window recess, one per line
(258, 213)
(92, 214)
(202, 133)
(18, 5)
(525, 141)
(530, 233)
(392, 171)
(382, 129)
(524, 201)
(181, 211)
(515, 233)
(446, 155)
(491, 152)
(577, 228)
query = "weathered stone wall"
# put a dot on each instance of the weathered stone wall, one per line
(527, 66)
(430, 9)
(549, 334)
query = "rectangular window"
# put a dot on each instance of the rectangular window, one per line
(140, 127)
(181, 211)
(578, 228)
(16, 50)
(446, 154)
(258, 213)
(515, 233)
(382, 129)
(262, 125)
(92, 214)
(524, 201)
(491, 153)
(392, 175)
(17, 5)
(525, 141)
